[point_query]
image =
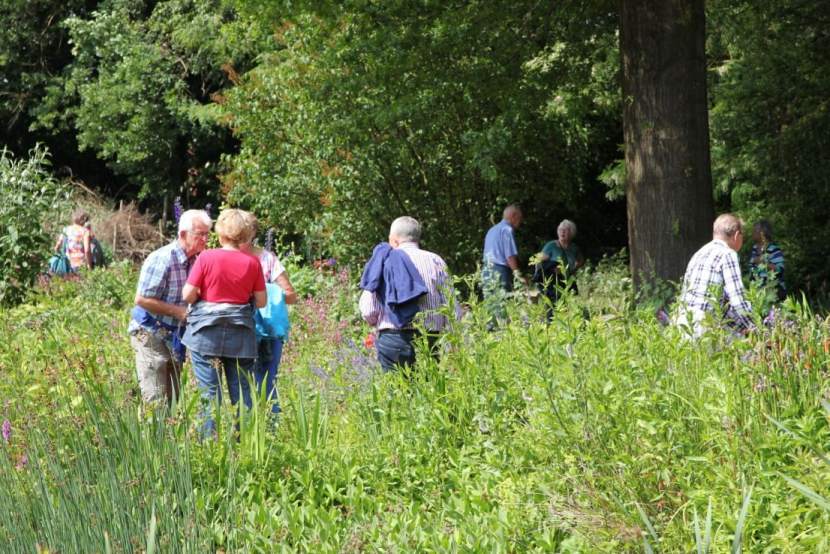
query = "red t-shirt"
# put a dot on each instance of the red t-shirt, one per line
(226, 276)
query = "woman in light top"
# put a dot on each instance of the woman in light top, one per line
(76, 239)
(220, 323)
(267, 364)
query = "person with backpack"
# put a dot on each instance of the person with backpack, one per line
(74, 242)
(99, 259)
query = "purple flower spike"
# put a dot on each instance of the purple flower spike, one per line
(178, 209)
(7, 430)
(331, 262)
(22, 462)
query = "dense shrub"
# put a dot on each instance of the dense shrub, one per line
(30, 200)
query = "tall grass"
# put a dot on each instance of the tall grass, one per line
(601, 432)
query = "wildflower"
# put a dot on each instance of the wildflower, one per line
(761, 384)
(178, 209)
(769, 320)
(22, 462)
(331, 262)
(320, 372)
(7, 430)
(369, 341)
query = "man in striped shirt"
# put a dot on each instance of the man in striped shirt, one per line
(394, 337)
(713, 276)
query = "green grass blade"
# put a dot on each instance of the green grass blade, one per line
(808, 492)
(739, 528)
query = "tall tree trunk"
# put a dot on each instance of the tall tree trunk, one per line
(666, 130)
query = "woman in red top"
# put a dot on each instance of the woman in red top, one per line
(222, 288)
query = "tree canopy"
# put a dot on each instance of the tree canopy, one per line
(332, 118)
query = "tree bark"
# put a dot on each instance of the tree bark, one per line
(666, 130)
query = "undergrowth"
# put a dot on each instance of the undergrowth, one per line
(601, 432)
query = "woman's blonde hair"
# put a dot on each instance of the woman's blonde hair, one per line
(232, 226)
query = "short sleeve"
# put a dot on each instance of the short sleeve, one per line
(277, 269)
(509, 244)
(153, 279)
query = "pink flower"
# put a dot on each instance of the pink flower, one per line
(22, 462)
(7, 430)
(369, 341)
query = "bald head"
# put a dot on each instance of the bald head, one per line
(404, 229)
(513, 215)
(729, 228)
(726, 225)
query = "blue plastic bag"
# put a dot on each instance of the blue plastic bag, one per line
(272, 320)
(59, 264)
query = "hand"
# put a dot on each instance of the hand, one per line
(181, 313)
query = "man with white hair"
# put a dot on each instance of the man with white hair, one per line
(159, 312)
(399, 281)
(713, 276)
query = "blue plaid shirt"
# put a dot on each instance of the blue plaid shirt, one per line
(163, 276)
(714, 275)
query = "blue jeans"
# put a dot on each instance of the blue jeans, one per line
(496, 276)
(496, 284)
(237, 372)
(267, 372)
(395, 349)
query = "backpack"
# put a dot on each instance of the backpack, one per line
(99, 259)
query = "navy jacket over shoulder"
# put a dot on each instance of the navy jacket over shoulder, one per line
(393, 277)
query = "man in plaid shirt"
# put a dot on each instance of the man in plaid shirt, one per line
(160, 311)
(713, 276)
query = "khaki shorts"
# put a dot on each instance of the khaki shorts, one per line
(156, 369)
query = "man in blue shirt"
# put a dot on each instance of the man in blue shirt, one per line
(501, 257)
(501, 262)
(160, 311)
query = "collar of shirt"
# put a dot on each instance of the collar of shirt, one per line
(409, 245)
(720, 243)
(181, 255)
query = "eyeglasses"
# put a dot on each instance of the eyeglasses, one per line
(200, 234)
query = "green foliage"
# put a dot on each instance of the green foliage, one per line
(30, 202)
(33, 51)
(360, 113)
(592, 434)
(139, 91)
(770, 122)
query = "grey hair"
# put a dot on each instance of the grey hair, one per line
(567, 224)
(765, 227)
(406, 229)
(187, 218)
(727, 225)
